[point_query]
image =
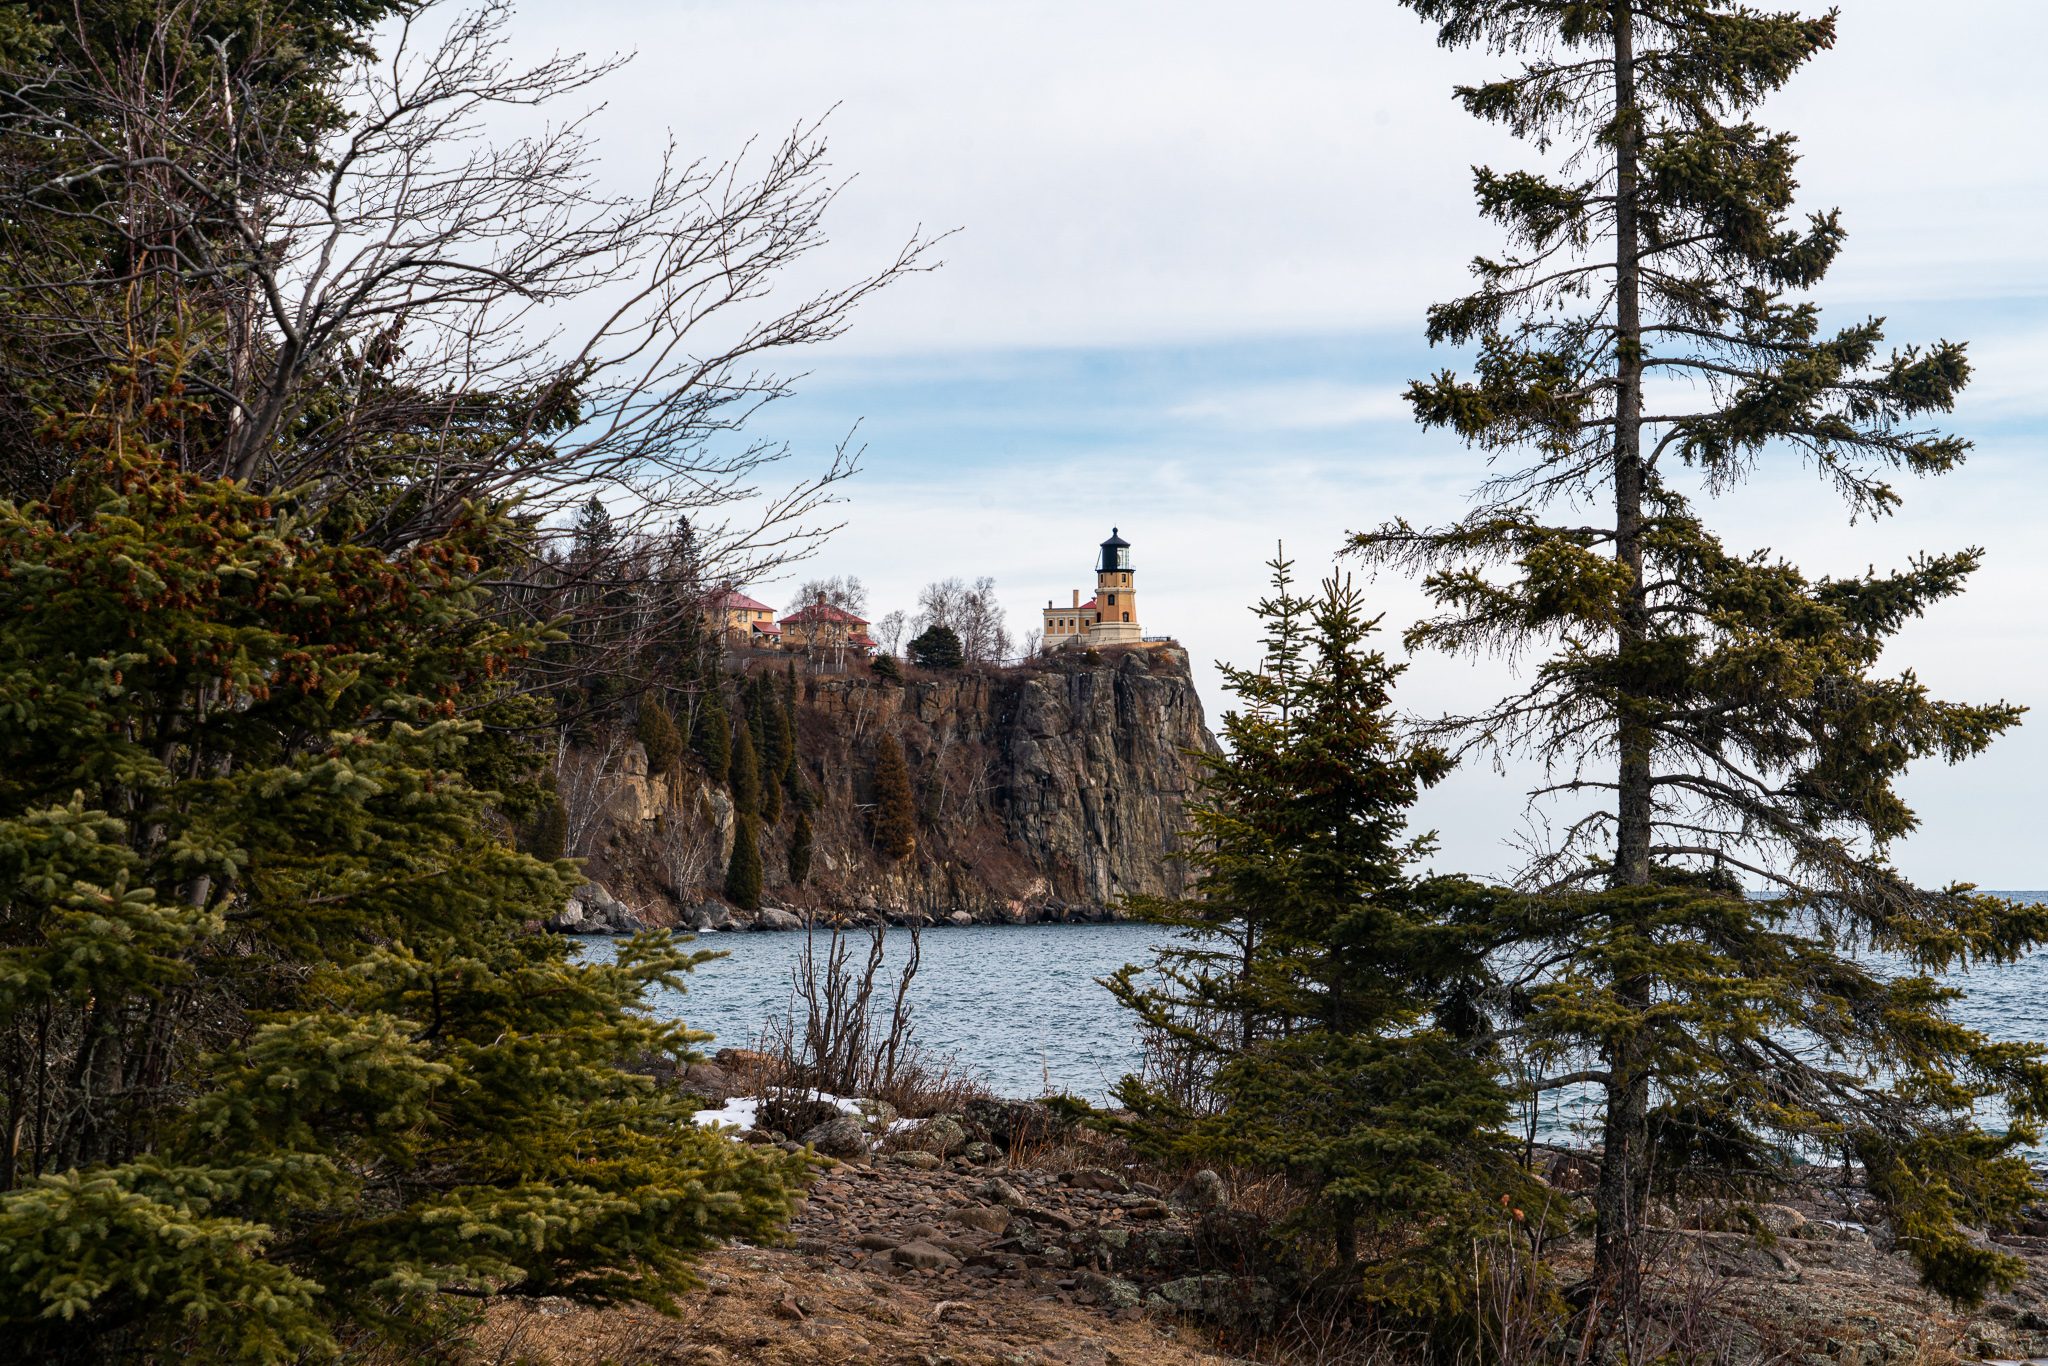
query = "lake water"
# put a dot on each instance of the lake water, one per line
(1021, 1007)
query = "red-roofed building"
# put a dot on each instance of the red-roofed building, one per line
(823, 628)
(744, 621)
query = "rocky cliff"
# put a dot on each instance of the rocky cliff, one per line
(1051, 791)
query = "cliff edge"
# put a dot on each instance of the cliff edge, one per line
(1051, 790)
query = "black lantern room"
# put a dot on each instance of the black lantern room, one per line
(1116, 554)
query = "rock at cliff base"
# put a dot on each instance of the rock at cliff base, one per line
(922, 1256)
(775, 918)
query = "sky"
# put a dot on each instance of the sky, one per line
(1195, 242)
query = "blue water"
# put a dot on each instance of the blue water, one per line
(1019, 1006)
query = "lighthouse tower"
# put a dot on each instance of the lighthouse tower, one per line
(1116, 597)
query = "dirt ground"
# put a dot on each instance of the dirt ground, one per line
(902, 1259)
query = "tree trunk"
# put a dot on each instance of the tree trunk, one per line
(1624, 1168)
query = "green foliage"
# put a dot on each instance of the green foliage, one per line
(743, 869)
(938, 648)
(1713, 717)
(283, 1059)
(660, 738)
(713, 736)
(547, 834)
(885, 666)
(895, 812)
(800, 850)
(1316, 1016)
(746, 771)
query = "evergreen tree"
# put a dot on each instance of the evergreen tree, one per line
(1720, 713)
(283, 1060)
(713, 737)
(1318, 1004)
(895, 819)
(800, 850)
(746, 771)
(547, 836)
(659, 737)
(743, 869)
(937, 648)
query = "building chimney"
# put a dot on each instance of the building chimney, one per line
(1077, 597)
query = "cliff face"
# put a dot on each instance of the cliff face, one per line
(1051, 791)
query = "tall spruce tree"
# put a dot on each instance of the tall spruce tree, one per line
(1316, 1012)
(1715, 718)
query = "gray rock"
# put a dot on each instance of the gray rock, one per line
(917, 1160)
(960, 918)
(1201, 1192)
(1217, 1297)
(708, 915)
(775, 918)
(983, 1154)
(999, 1192)
(984, 1217)
(942, 1135)
(1112, 1292)
(1013, 1123)
(841, 1137)
(922, 1256)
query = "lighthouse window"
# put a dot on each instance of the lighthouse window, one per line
(1112, 599)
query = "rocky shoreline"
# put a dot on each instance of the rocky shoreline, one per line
(594, 911)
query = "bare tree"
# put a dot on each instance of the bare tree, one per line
(889, 632)
(844, 591)
(398, 289)
(972, 613)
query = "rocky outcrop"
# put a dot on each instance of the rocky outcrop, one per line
(1048, 792)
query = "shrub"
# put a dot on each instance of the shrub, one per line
(937, 648)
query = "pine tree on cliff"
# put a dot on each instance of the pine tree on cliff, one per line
(659, 737)
(800, 850)
(743, 869)
(895, 820)
(746, 771)
(713, 737)
(1317, 1005)
(938, 648)
(1711, 719)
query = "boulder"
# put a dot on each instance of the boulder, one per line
(941, 1134)
(775, 918)
(983, 1154)
(987, 1218)
(1011, 1124)
(707, 916)
(960, 919)
(841, 1137)
(923, 1256)
(1202, 1192)
(999, 1192)
(916, 1159)
(1095, 1179)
